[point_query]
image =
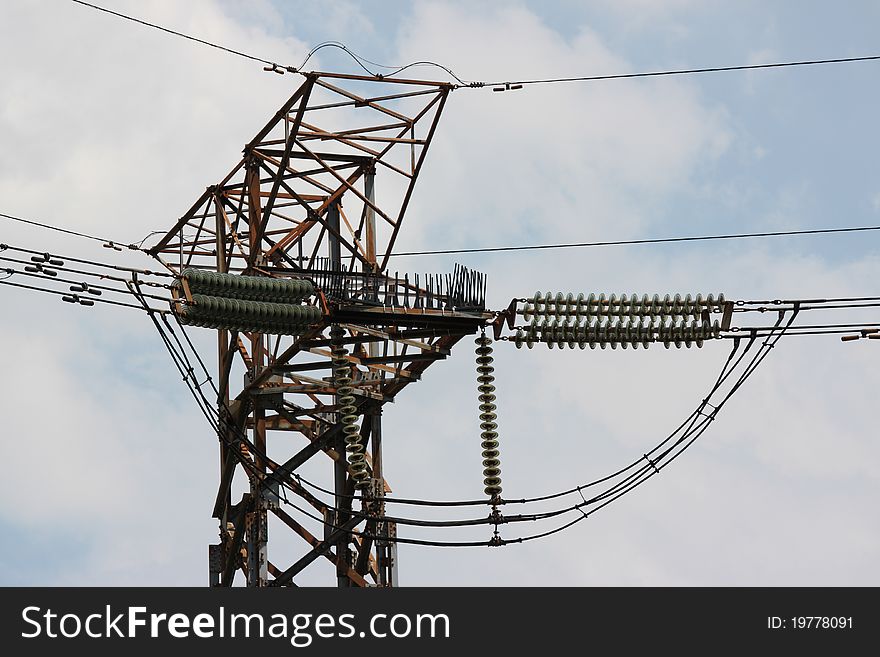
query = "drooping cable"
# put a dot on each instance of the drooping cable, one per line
(496, 86)
(632, 242)
(183, 35)
(104, 241)
(508, 84)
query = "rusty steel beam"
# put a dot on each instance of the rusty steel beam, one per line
(355, 577)
(303, 93)
(306, 190)
(318, 550)
(412, 184)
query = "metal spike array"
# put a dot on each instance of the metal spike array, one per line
(463, 289)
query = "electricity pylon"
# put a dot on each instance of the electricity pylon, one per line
(319, 195)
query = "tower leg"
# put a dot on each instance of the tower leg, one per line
(215, 564)
(386, 550)
(257, 519)
(258, 540)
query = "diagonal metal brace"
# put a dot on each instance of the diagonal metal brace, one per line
(317, 551)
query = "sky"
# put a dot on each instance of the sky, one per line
(115, 129)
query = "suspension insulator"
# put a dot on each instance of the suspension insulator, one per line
(346, 414)
(253, 288)
(618, 332)
(489, 434)
(630, 307)
(247, 315)
(246, 303)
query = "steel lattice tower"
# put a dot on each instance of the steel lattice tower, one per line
(303, 202)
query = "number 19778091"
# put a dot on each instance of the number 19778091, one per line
(810, 622)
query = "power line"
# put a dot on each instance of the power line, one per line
(113, 244)
(175, 33)
(530, 247)
(699, 421)
(730, 365)
(62, 293)
(131, 270)
(496, 86)
(692, 433)
(60, 265)
(687, 71)
(274, 66)
(45, 267)
(632, 481)
(393, 70)
(659, 240)
(50, 275)
(775, 332)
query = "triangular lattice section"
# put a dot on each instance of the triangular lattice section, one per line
(340, 159)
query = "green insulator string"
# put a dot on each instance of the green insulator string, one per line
(248, 315)
(241, 315)
(253, 288)
(347, 412)
(260, 304)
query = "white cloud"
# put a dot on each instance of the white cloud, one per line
(671, 15)
(115, 129)
(556, 162)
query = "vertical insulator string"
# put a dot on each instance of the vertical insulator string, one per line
(489, 433)
(347, 413)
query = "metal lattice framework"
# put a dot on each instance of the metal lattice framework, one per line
(302, 203)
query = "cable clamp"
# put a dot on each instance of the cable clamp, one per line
(708, 416)
(653, 465)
